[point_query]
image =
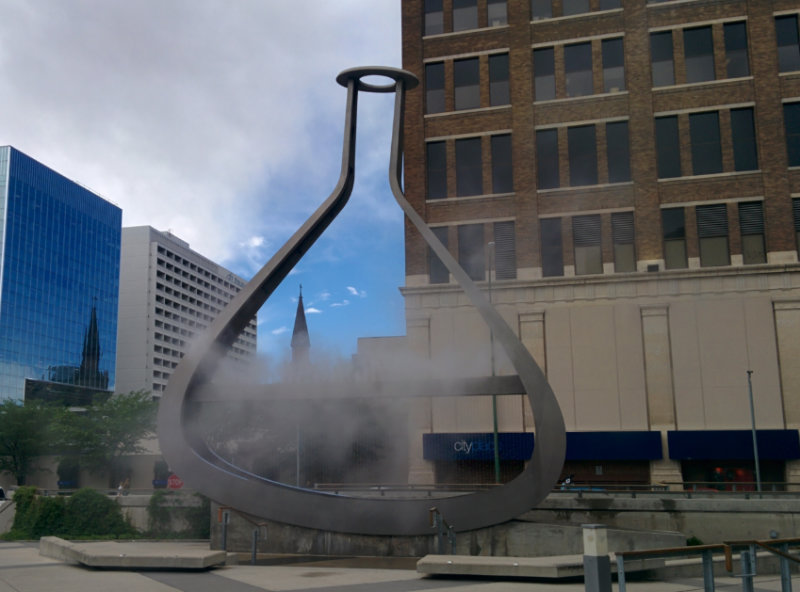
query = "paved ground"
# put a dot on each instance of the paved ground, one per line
(22, 569)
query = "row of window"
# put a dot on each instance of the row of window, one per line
(469, 166)
(578, 79)
(477, 253)
(465, 15)
(199, 270)
(705, 140)
(191, 300)
(477, 256)
(703, 134)
(168, 351)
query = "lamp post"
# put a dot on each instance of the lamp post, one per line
(495, 446)
(753, 425)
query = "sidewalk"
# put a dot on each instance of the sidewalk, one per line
(22, 569)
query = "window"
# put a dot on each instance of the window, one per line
(751, 227)
(578, 69)
(712, 230)
(465, 15)
(497, 12)
(622, 235)
(437, 272)
(744, 139)
(668, 147)
(552, 254)
(610, 4)
(505, 252)
(613, 65)
(706, 150)
(434, 88)
(791, 124)
(586, 238)
(661, 58)
(618, 152)
(736, 61)
(571, 7)
(788, 43)
(796, 217)
(471, 249)
(436, 155)
(502, 171)
(541, 9)
(467, 84)
(544, 74)
(469, 176)
(434, 17)
(674, 227)
(698, 48)
(547, 158)
(582, 155)
(499, 90)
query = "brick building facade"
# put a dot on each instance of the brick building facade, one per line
(628, 174)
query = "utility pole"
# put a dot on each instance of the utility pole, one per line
(496, 445)
(753, 424)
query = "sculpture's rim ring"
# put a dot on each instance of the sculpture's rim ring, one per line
(409, 80)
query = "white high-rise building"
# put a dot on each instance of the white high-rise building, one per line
(168, 294)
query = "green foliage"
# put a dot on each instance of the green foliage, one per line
(693, 541)
(107, 431)
(24, 435)
(90, 513)
(86, 514)
(167, 508)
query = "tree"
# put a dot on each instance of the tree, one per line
(24, 435)
(107, 431)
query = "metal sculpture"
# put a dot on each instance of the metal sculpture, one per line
(204, 470)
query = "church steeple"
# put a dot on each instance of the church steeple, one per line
(89, 372)
(300, 340)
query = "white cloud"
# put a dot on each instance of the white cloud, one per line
(312, 310)
(253, 242)
(325, 296)
(344, 302)
(356, 292)
(280, 330)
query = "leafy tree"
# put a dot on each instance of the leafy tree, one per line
(107, 431)
(24, 435)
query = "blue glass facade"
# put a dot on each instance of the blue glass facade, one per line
(59, 278)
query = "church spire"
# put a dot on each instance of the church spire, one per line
(300, 340)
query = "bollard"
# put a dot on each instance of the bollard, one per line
(225, 518)
(596, 564)
(254, 550)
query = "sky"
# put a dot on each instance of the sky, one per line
(221, 121)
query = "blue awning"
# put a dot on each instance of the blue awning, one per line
(477, 446)
(733, 444)
(640, 445)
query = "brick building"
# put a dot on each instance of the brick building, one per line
(624, 176)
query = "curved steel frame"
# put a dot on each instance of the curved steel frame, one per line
(202, 469)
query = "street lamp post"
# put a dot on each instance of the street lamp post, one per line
(753, 425)
(496, 445)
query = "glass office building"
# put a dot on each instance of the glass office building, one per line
(59, 279)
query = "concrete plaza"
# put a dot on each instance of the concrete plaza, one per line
(22, 569)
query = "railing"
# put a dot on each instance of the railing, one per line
(748, 556)
(443, 529)
(224, 517)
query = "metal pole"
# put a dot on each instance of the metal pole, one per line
(753, 423)
(495, 444)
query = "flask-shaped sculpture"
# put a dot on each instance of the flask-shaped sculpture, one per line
(203, 469)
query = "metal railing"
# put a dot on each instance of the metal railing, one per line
(443, 529)
(748, 560)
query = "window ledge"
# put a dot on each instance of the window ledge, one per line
(461, 111)
(450, 200)
(710, 176)
(451, 33)
(686, 85)
(581, 98)
(790, 73)
(599, 186)
(591, 13)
